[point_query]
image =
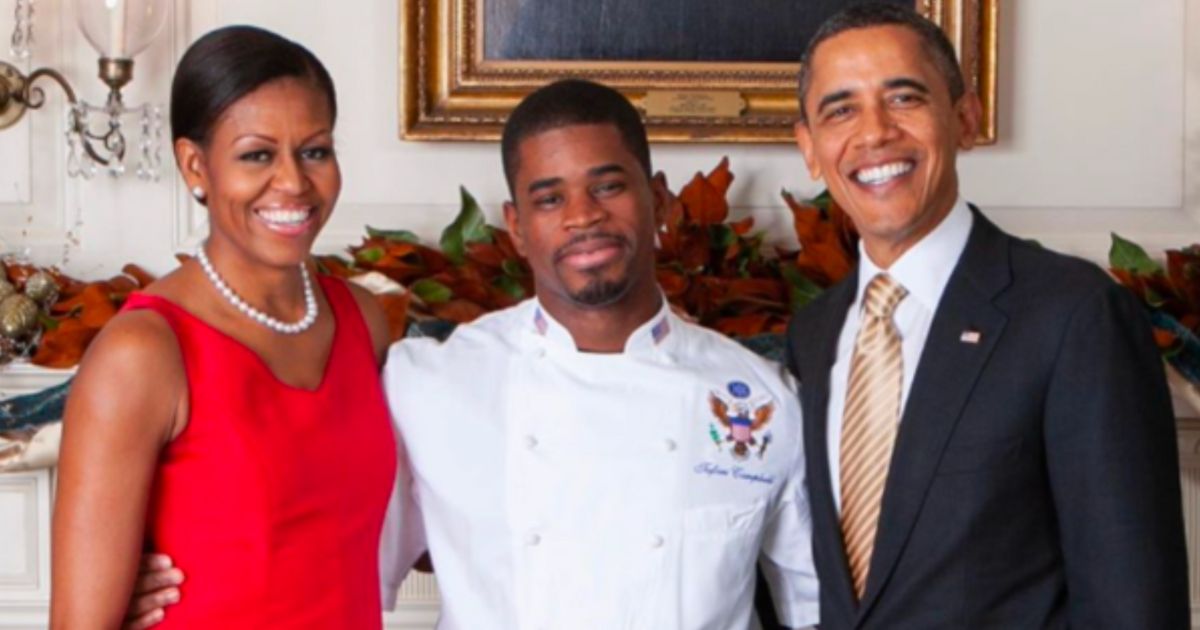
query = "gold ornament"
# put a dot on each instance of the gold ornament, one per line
(18, 316)
(6, 288)
(41, 288)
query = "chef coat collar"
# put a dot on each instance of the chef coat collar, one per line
(650, 338)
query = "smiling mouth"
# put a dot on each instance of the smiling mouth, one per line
(591, 252)
(884, 173)
(289, 221)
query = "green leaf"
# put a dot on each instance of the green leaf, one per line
(512, 267)
(801, 290)
(1129, 256)
(1153, 299)
(369, 255)
(47, 322)
(323, 268)
(403, 236)
(509, 285)
(431, 291)
(722, 237)
(469, 226)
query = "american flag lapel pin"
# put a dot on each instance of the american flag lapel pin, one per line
(970, 336)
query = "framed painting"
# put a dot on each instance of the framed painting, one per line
(699, 70)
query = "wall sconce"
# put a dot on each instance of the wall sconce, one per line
(118, 30)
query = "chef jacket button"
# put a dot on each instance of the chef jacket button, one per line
(656, 542)
(539, 353)
(670, 444)
(533, 539)
(530, 442)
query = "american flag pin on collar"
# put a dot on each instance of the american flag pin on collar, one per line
(970, 336)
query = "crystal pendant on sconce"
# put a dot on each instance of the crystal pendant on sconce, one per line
(21, 45)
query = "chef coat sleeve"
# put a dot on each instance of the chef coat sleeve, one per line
(402, 540)
(787, 561)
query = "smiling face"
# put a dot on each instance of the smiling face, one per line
(883, 134)
(268, 172)
(583, 215)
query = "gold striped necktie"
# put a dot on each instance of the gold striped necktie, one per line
(869, 422)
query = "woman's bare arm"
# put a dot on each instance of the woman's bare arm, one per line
(124, 407)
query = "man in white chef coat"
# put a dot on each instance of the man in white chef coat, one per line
(587, 459)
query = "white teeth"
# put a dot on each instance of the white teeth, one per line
(883, 173)
(283, 216)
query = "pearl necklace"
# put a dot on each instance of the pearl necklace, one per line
(310, 300)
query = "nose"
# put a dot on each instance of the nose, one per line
(289, 175)
(582, 211)
(877, 127)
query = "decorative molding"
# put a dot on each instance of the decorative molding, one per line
(24, 486)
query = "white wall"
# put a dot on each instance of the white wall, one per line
(1095, 133)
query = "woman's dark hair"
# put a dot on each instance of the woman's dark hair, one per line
(226, 64)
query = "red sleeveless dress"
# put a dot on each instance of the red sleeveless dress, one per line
(272, 498)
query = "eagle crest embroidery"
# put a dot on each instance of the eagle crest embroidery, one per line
(742, 421)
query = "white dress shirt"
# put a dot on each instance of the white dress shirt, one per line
(562, 489)
(924, 270)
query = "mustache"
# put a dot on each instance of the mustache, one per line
(568, 248)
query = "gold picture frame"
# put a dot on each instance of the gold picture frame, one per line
(451, 90)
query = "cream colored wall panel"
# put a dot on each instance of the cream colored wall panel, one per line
(25, 520)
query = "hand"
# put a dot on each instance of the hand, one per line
(157, 587)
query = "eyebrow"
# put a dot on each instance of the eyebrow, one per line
(259, 136)
(550, 182)
(829, 99)
(907, 82)
(539, 184)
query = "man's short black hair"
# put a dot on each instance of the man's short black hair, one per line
(567, 103)
(873, 14)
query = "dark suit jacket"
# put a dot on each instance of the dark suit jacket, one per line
(1035, 480)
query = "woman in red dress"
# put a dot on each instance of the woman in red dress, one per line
(231, 416)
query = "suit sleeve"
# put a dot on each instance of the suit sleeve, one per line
(1114, 474)
(787, 560)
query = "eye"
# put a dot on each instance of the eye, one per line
(609, 188)
(547, 201)
(841, 112)
(906, 99)
(317, 154)
(261, 156)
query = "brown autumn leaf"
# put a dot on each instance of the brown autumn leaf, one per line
(704, 199)
(743, 325)
(139, 275)
(395, 307)
(63, 346)
(458, 311)
(673, 283)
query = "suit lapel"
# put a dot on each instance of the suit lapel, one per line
(815, 391)
(949, 366)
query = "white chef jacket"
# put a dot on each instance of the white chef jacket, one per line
(562, 489)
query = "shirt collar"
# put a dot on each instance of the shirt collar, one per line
(924, 270)
(651, 337)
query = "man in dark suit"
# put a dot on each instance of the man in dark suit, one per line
(989, 434)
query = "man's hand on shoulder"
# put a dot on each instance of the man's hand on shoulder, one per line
(157, 587)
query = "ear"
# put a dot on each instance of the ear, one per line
(804, 140)
(514, 227)
(663, 198)
(968, 111)
(190, 158)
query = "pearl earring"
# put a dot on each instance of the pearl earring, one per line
(198, 193)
